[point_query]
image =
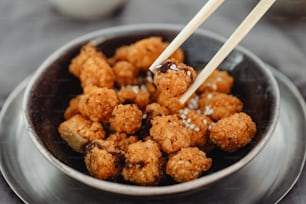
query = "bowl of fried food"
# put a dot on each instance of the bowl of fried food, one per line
(96, 112)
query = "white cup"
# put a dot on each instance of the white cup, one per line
(86, 9)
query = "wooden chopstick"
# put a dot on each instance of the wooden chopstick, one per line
(246, 25)
(193, 24)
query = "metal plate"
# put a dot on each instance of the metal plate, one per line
(267, 179)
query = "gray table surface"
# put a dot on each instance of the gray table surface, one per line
(30, 30)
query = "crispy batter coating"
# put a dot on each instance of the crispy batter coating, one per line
(87, 51)
(122, 140)
(172, 104)
(98, 103)
(144, 52)
(219, 105)
(153, 110)
(219, 81)
(103, 160)
(125, 73)
(134, 94)
(173, 78)
(77, 131)
(152, 90)
(73, 107)
(197, 125)
(233, 132)
(187, 164)
(170, 133)
(144, 163)
(97, 72)
(126, 118)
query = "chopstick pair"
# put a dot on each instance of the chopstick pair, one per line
(242, 30)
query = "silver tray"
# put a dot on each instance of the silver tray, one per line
(267, 179)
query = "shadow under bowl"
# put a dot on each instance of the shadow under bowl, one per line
(52, 86)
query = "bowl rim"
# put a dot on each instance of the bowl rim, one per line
(134, 190)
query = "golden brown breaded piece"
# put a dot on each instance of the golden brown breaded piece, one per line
(143, 163)
(153, 110)
(172, 104)
(219, 81)
(103, 160)
(144, 52)
(73, 107)
(219, 105)
(98, 103)
(78, 131)
(126, 118)
(134, 94)
(152, 90)
(87, 51)
(121, 54)
(170, 133)
(197, 125)
(187, 164)
(97, 72)
(122, 140)
(173, 78)
(233, 132)
(125, 73)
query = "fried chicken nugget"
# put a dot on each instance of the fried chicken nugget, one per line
(170, 133)
(197, 125)
(173, 78)
(73, 107)
(103, 160)
(98, 103)
(87, 51)
(78, 131)
(219, 105)
(153, 110)
(134, 94)
(171, 103)
(143, 163)
(97, 72)
(125, 73)
(233, 132)
(144, 52)
(122, 140)
(219, 81)
(187, 164)
(126, 118)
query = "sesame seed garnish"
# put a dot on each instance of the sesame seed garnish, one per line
(143, 88)
(174, 67)
(204, 121)
(192, 126)
(210, 126)
(149, 77)
(188, 73)
(194, 102)
(144, 116)
(209, 96)
(214, 87)
(219, 78)
(135, 89)
(208, 110)
(197, 129)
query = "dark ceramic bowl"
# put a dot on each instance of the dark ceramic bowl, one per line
(51, 88)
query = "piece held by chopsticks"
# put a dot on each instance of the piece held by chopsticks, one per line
(195, 22)
(246, 25)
